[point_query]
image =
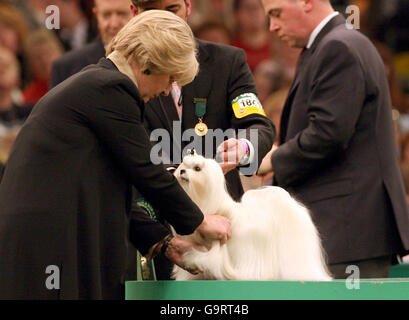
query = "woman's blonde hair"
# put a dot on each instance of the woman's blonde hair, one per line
(161, 42)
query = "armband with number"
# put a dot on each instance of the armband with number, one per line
(246, 104)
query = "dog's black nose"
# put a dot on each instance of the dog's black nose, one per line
(182, 171)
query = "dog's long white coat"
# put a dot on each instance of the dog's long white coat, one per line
(273, 236)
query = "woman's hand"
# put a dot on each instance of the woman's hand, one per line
(215, 227)
(177, 247)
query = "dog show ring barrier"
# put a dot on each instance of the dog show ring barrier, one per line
(394, 288)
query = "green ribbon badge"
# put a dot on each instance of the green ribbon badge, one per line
(145, 269)
(200, 106)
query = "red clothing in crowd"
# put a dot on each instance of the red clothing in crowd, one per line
(34, 91)
(254, 56)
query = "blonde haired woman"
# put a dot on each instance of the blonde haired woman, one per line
(64, 198)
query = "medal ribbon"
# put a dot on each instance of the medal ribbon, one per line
(200, 107)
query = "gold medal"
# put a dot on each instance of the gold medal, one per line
(201, 128)
(200, 111)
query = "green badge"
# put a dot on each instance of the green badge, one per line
(200, 110)
(145, 269)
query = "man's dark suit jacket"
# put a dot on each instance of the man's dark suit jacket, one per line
(74, 61)
(66, 191)
(337, 152)
(223, 76)
(1, 170)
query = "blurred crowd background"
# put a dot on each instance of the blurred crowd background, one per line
(28, 50)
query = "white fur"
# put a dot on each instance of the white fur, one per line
(273, 236)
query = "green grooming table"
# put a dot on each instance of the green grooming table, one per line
(370, 289)
(399, 271)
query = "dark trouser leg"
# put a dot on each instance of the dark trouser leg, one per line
(371, 268)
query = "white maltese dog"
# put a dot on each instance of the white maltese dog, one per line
(273, 236)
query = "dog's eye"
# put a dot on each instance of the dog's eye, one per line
(197, 168)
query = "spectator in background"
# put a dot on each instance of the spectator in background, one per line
(6, 143)
(397, 29)
(269, 77)
(214, 9)
(400, 101)
(386, 21)
(264, 78)
(285, 56)
(13, 31)
(274, 104)
(11, 113)
(251, 33)
(368, 22)
(41, 48)
(34, 12)
(111, 16)
(404, 167)
(76, 30)
(213, 31)
(404, 147)
(218, 5)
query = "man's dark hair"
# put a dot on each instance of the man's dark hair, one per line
(142, 3)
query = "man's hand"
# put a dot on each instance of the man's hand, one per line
(230, 152)
(266, 166)
(227, 166)
(215, 227)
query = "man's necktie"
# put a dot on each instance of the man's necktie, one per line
(300, 61)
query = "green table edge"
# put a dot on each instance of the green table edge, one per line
(369, 289)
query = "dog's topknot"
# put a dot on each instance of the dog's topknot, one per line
(191, 152)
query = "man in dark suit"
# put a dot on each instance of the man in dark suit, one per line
(337, 153)
(224, 79)
(111, 16)
(223, 84)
